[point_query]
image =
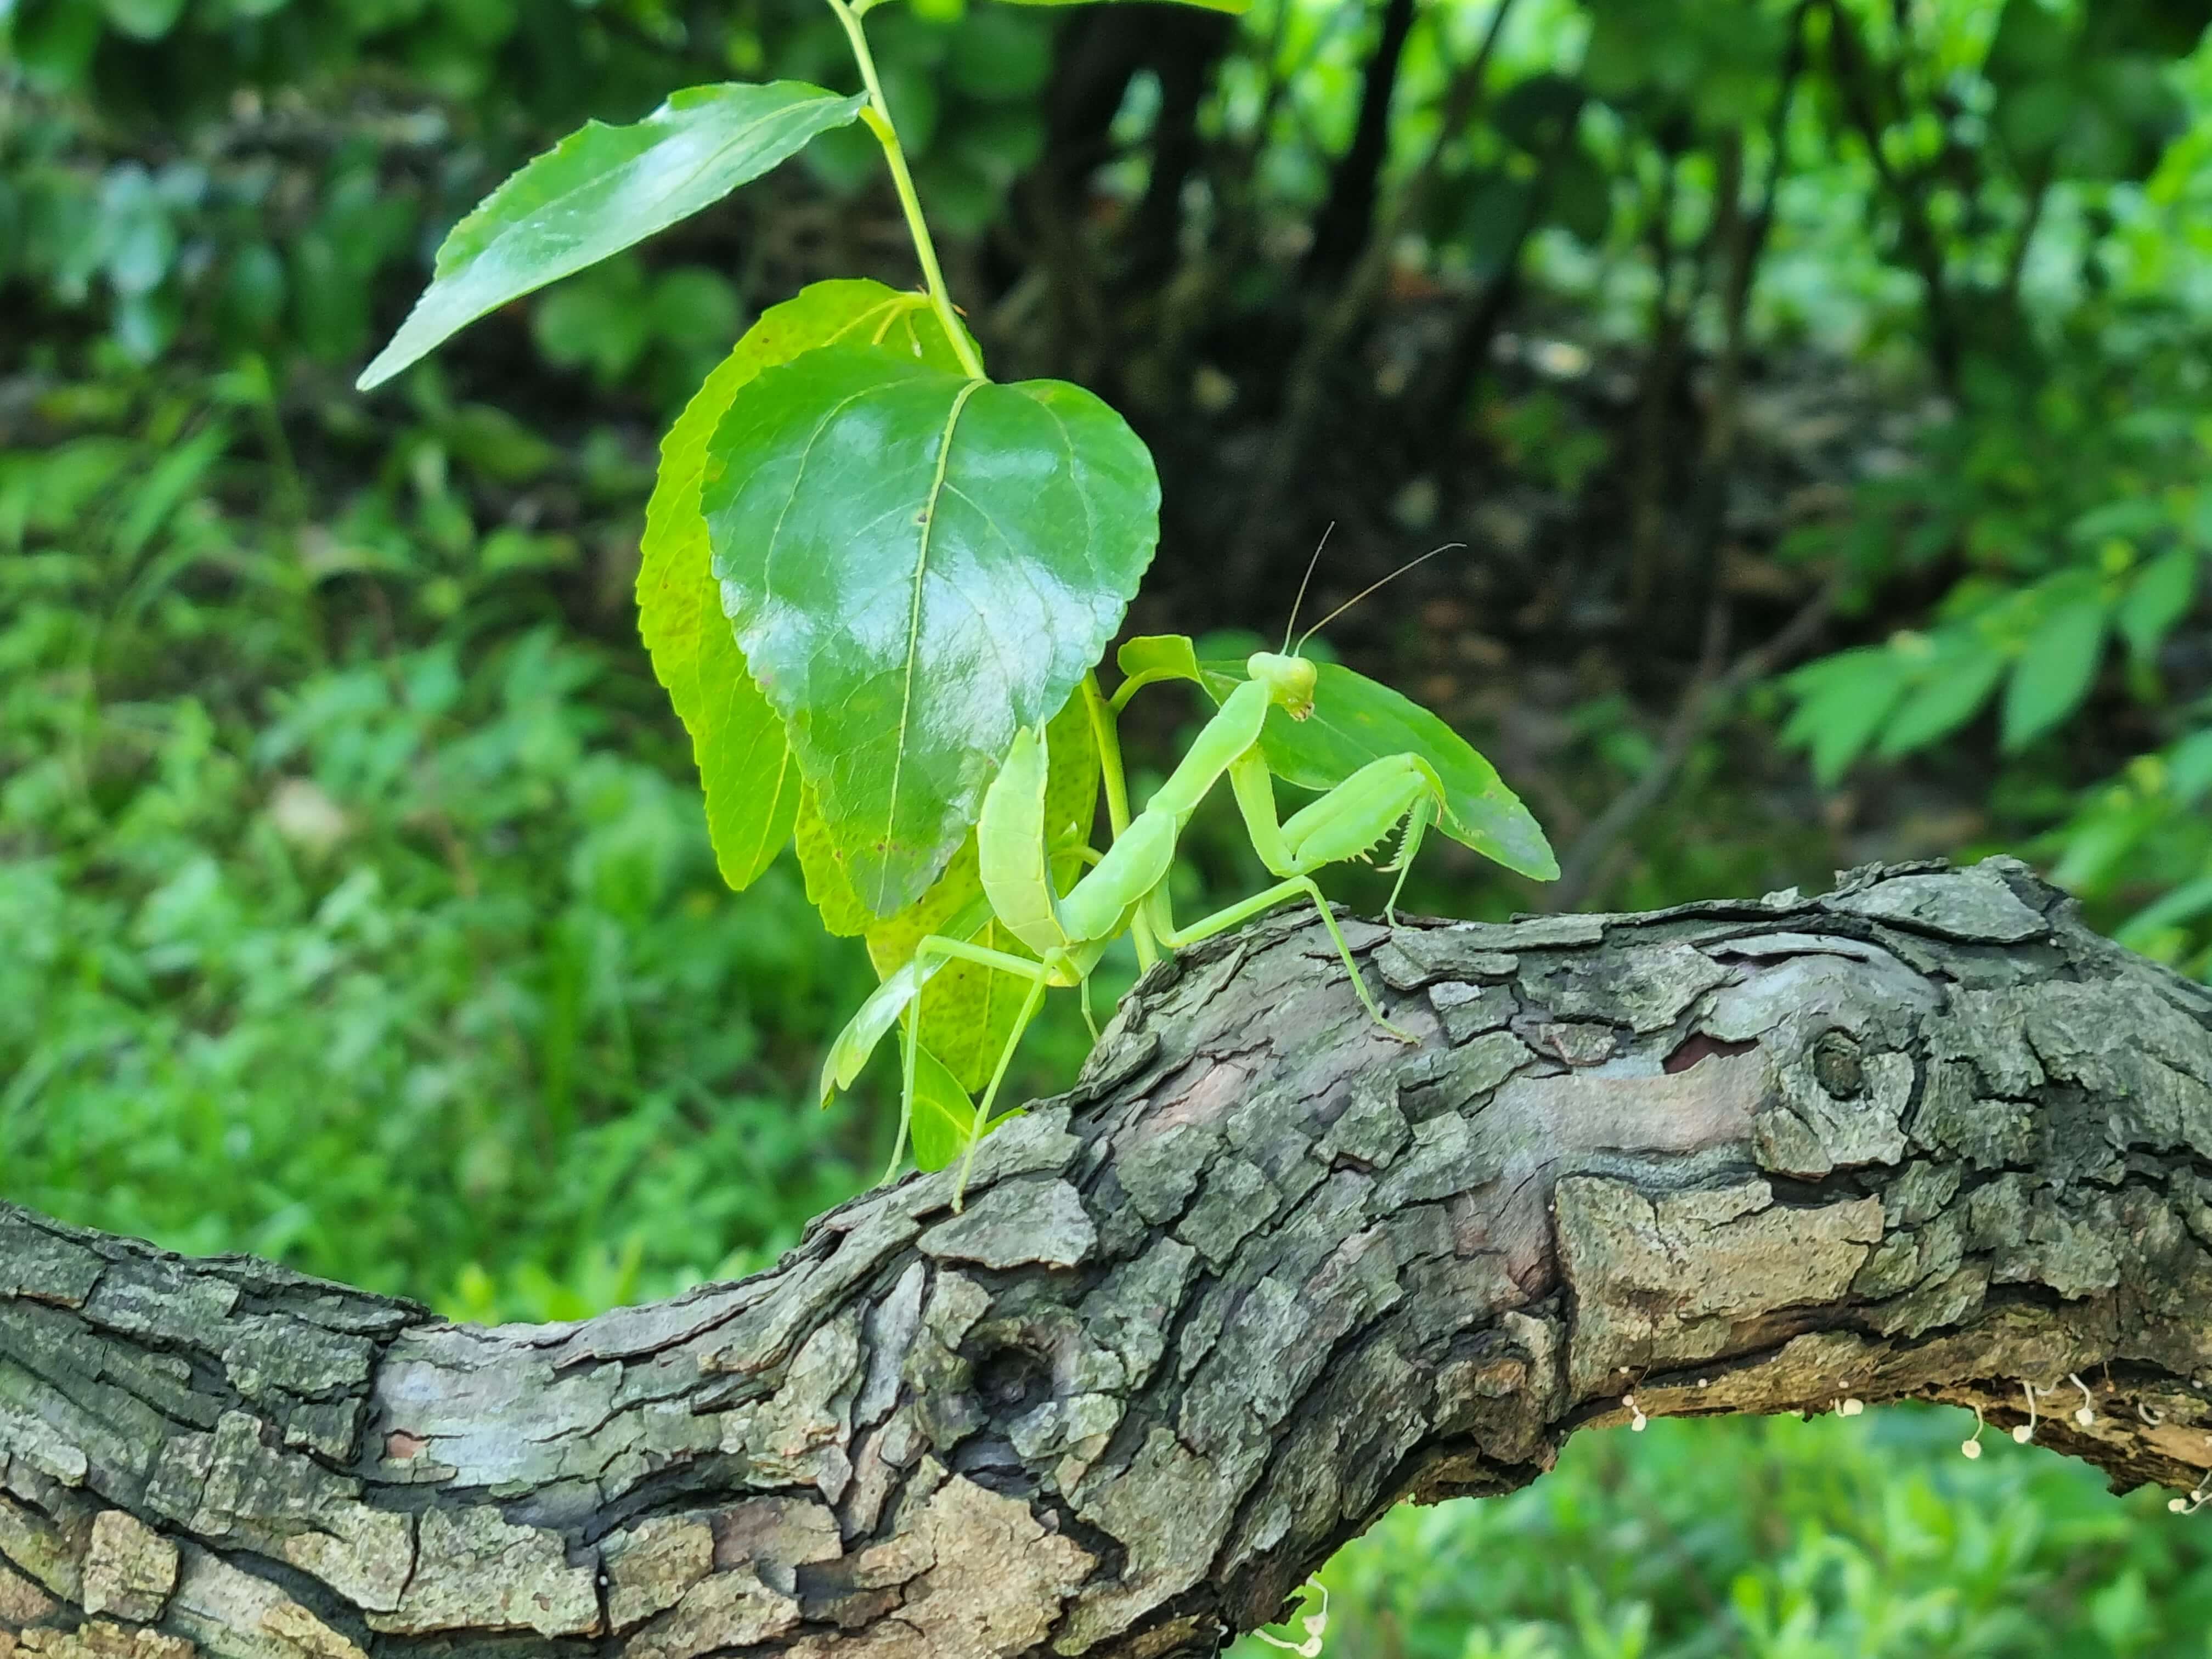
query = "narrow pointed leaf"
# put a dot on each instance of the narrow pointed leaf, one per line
(2056, 670)
(1844, 701)
(1949, 696)
(751, 782)
(2161, 598)
(850, 1050)
(602, 189)
(1357, 720)
(916, 565)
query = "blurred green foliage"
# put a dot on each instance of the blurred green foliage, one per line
(355, 905)
(383, 938)
(1841, 1538)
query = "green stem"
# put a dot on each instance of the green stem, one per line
(878, 116)
(1106, 733)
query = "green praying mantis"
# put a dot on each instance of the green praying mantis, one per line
(1126, 887)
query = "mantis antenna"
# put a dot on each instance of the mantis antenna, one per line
(1303, 579)
(1370, 589)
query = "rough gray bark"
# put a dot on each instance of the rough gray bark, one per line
(1264, 1273)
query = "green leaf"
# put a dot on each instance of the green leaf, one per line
(1150, 658)
(916, 565)
(2189, 767)
(2159, 598)
(143, 19)
(944, 1115)
(166, 484)
(2130, 517)
(828, 889)
(1844, 701)
(2054, 673)
(965, 1001)
(1357, 720)
(602, 189)
(1001, 56)
(737, 738)
(1944, 700)
(1070, 788)
(1580, 196)
(849, 1050)
(2183, 905)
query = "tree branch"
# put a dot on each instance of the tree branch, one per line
(1262, 1274)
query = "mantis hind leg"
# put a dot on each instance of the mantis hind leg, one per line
(1222, 920)
(910, 1030)
(936, 946)
(1029, 1009)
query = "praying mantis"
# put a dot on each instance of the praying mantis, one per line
(1128, 886)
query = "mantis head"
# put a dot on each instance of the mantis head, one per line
(1289, 680)
(1287, 675)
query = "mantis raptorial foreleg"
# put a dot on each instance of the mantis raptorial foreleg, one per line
(1346, 822)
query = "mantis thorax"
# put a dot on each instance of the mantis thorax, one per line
(1289, 680)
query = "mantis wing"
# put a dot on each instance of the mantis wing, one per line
(1011, 853)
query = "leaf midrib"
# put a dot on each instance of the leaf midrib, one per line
(913, 621)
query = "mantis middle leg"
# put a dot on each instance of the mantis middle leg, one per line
(1028, 1012)
(1223, 920)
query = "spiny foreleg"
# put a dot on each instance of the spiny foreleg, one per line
(1348, 821)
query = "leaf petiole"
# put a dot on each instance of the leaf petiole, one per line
(878, 116)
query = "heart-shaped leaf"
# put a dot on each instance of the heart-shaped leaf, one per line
(752, 783)
(917, 564)
(1356, 719)
(602, 189)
